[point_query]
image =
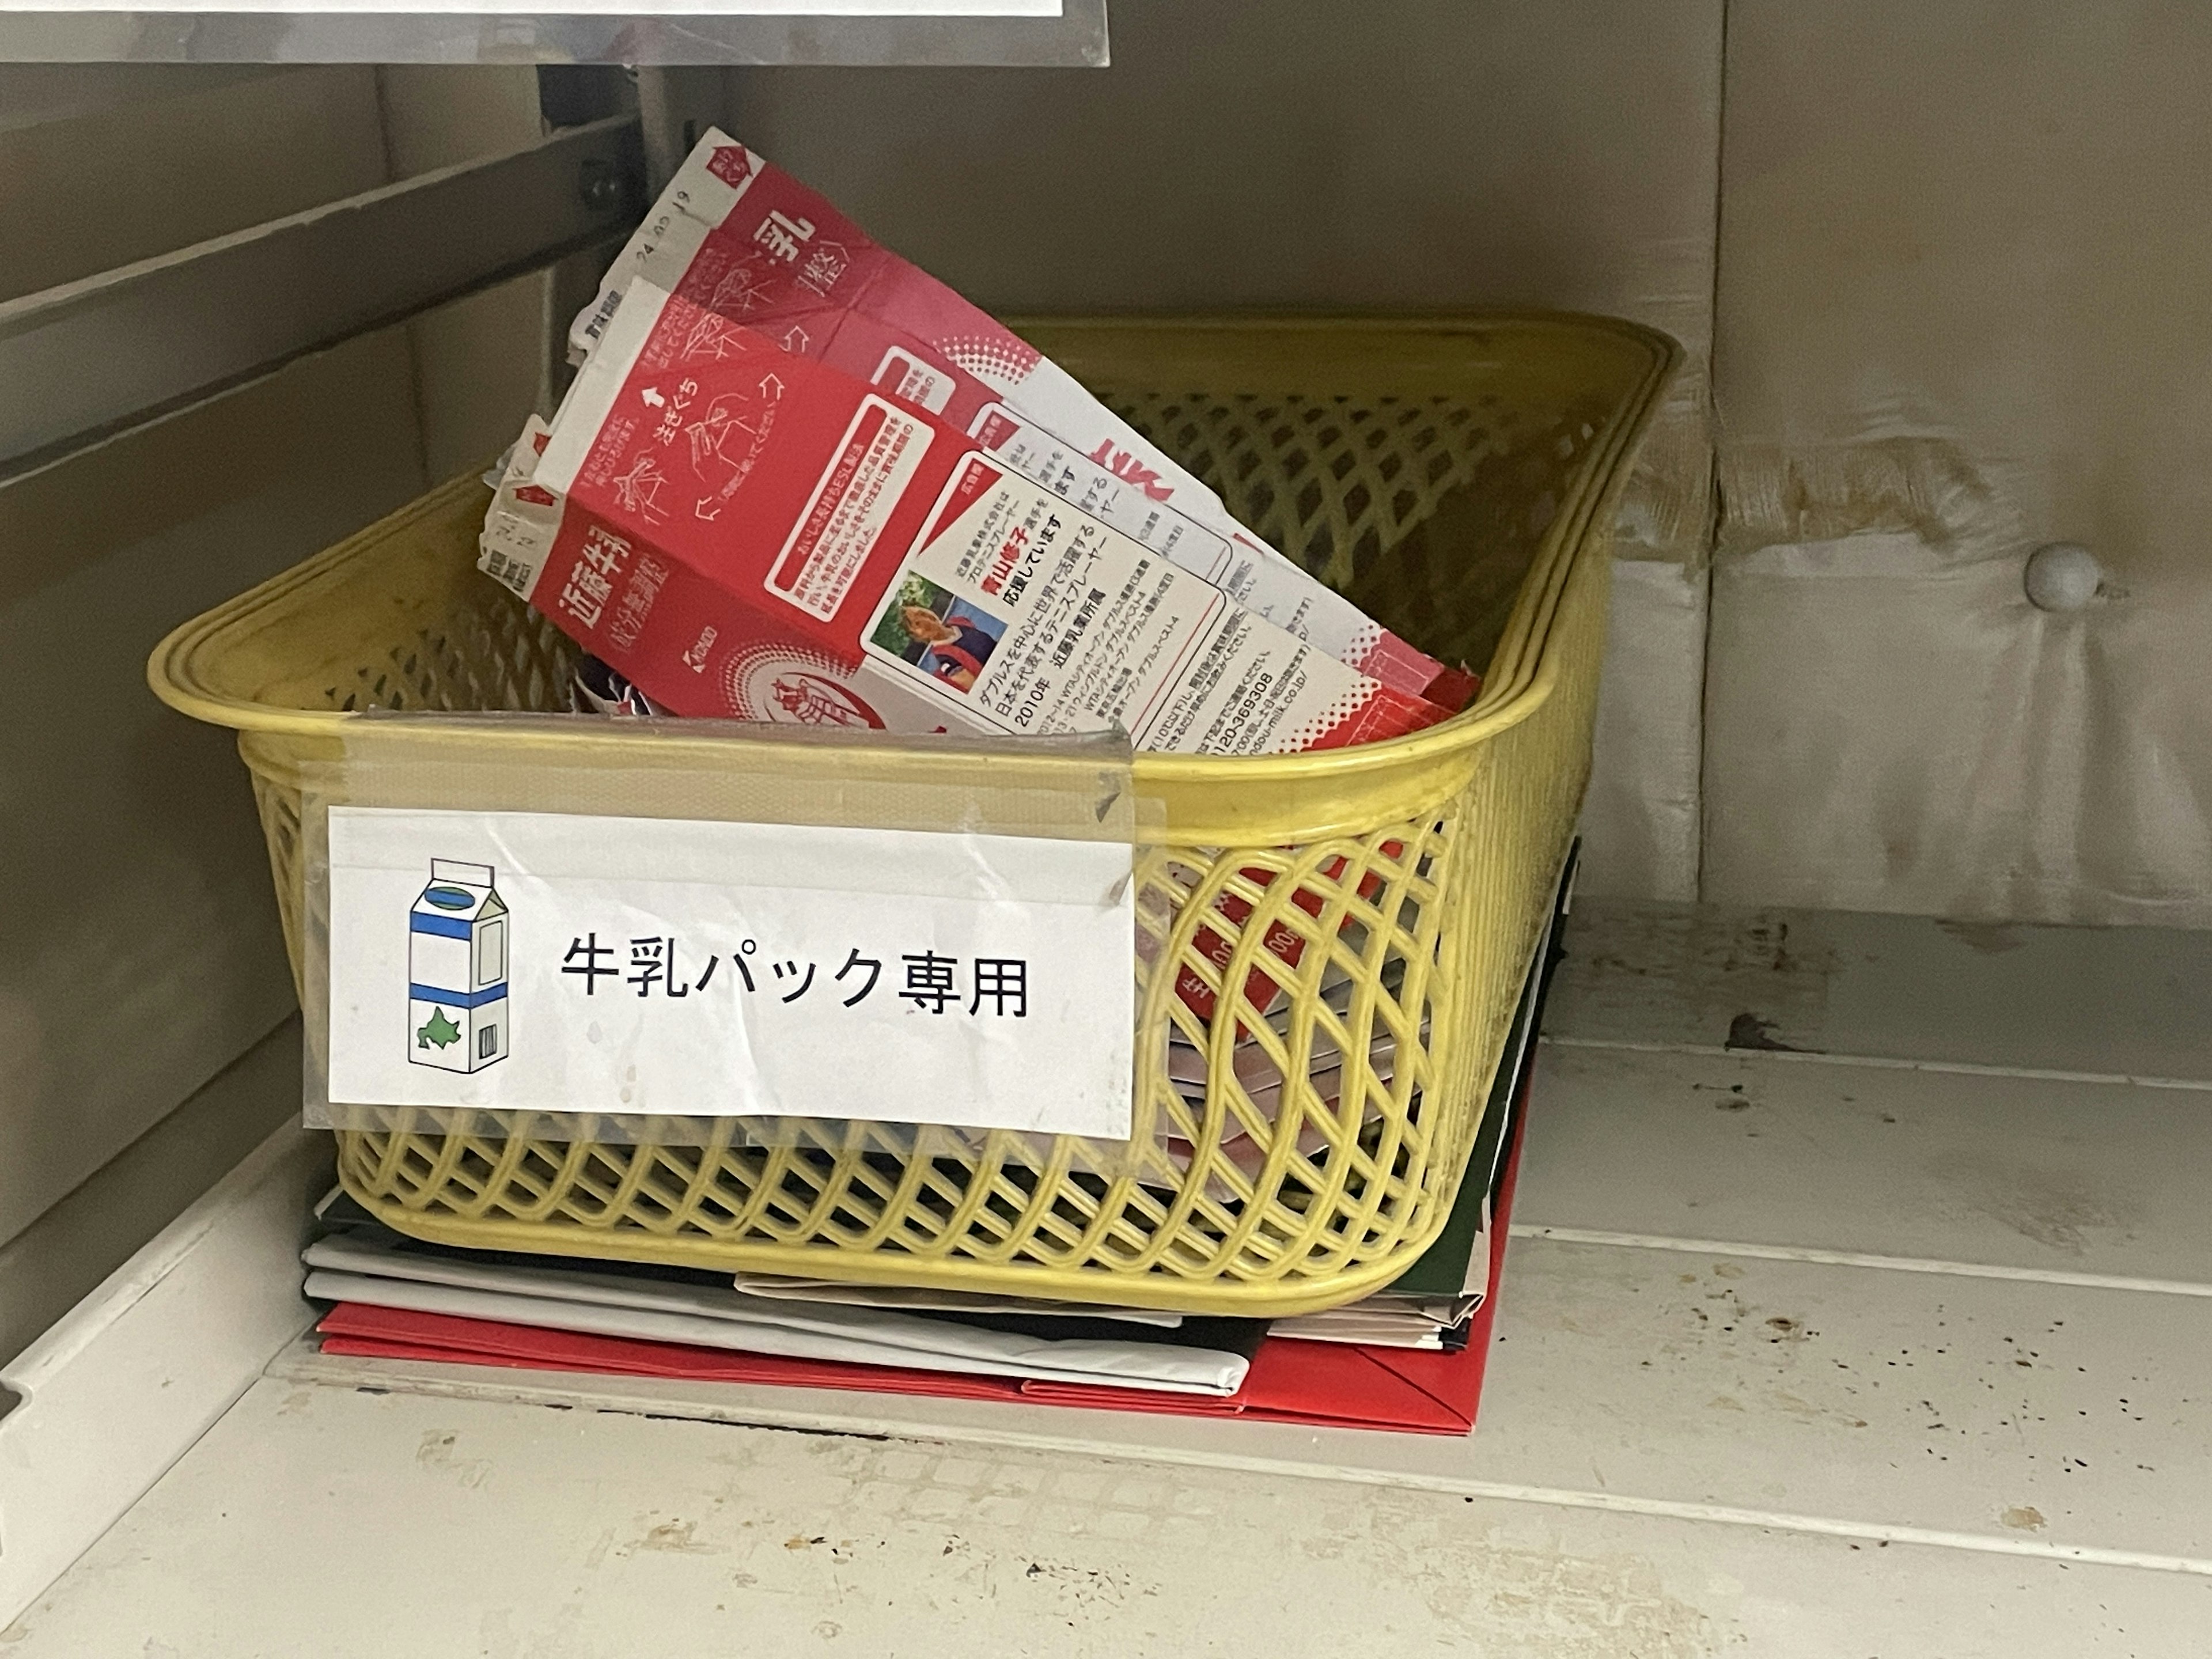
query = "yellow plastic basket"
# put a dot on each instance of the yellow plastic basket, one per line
(1458, 478)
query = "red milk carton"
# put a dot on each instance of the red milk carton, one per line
(738, 236)
(747, 533)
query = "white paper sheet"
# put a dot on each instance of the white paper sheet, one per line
(612, 1305)
(647, 965)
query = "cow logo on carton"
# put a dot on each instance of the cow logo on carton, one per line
(457, 1017)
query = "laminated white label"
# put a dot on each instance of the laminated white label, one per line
(584, 964)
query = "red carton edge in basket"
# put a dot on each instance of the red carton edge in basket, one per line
(739, 236)
(745, 533)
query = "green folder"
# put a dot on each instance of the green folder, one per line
(1442, 1269)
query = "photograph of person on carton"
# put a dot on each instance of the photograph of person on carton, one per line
(948, 639)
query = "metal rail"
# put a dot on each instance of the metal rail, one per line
(90, 357)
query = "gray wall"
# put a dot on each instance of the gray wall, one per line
(143, 989)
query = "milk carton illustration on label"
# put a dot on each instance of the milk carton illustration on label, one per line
(457, 970)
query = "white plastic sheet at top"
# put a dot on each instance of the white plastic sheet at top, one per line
(616, 7)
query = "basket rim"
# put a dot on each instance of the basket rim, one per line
(1523, 670)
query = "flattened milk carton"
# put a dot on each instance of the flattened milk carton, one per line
(745, 533)
(735, 235)
(456, 969)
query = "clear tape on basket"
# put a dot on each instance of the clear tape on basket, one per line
(1075, 789)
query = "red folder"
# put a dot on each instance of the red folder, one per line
(1321, 1384)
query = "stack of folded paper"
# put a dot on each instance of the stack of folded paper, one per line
(592, 1318)
(362, 1263)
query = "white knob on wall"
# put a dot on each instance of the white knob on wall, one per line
(2062, 576)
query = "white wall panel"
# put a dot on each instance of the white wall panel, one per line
(62, 1257)
(1962, 312)
(1640, 819)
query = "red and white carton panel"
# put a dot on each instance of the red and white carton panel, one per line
(739, 237)
(747, 534)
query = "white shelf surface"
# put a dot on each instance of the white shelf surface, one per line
(1878, 1354)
